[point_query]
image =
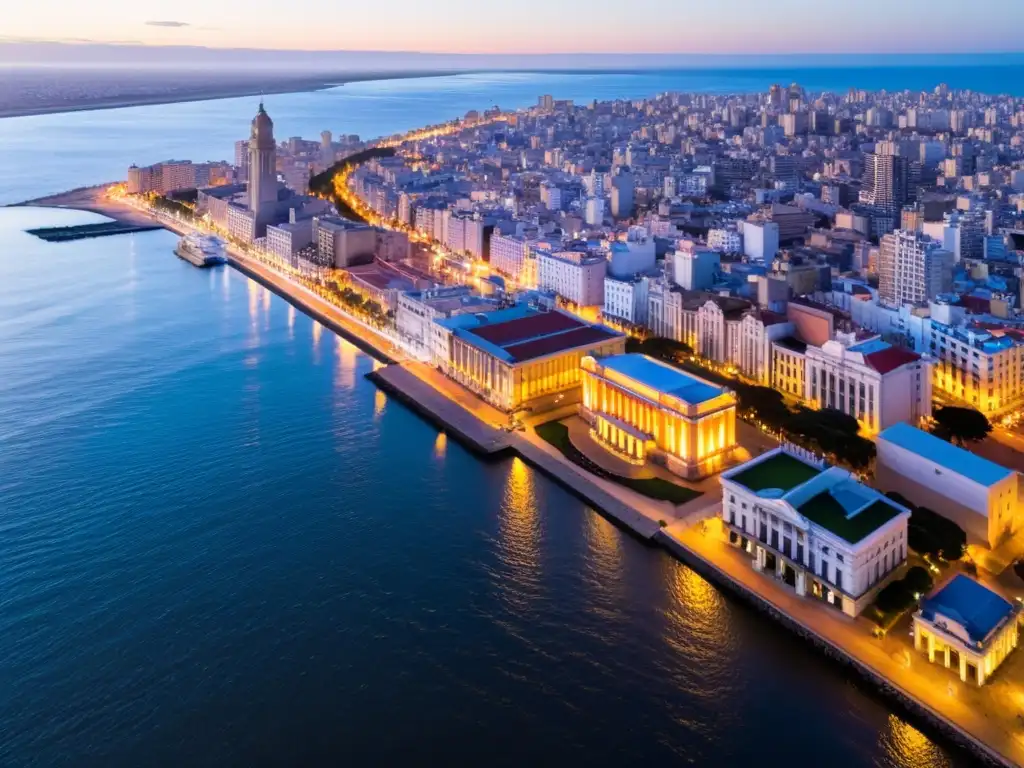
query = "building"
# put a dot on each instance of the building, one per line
(793, 223)
(416, 311)
(760, 240)
(789, 367)
(636, 255)
(594, 213)
(912, 268)
(342, 243)
(873, 381)
(725, 240)
(286, 240)
(642, 409)
(520, 358)
(263, 196)
(625, 301)
(815, 528)
(886, 184)
(757, 331)
(576, 276)
(622, 193)
(514, 257)
(980, 366)
(976, 494)
(696, 268)
(970, 627)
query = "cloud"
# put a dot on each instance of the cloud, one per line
(174, 24)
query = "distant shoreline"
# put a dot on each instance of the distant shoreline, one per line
(227, 91)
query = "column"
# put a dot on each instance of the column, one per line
(801, 582)
(963, 667)
(918, 641)
(981, 671)
(947, 656)
(931, 648)
(759, 559)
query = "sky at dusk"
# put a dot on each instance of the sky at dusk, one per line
(534, 26)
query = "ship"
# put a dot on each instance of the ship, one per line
(201, 250)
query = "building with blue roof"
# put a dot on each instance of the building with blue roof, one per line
(967, 626)
(978, 495)
(643, 409)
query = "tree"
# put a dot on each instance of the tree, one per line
(931, 533)
(960, 425)
(918, 580)
(767, 405)
(895, 597)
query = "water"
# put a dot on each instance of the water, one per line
(221, 545)
(51, 153)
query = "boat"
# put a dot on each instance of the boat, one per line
(201, 250)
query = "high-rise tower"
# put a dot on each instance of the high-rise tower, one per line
(262, 169)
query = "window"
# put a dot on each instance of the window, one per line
(839, 557)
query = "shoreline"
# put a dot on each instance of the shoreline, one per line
(298, 85)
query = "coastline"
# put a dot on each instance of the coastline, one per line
(240, 90)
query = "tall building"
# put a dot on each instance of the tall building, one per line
(262, 170)
(622, 194)
(912, 268)
(886, 184)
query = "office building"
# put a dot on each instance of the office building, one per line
(815, 528)
(576, 276)
(912, 268)
(625, 300)
(342, 243)
(760, 239)
(695, 268)
(642, 409)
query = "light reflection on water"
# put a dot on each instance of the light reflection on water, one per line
(519, 537)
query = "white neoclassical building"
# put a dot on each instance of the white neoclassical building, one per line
(968, 627)
(815, 527)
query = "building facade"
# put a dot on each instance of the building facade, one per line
(816, 528)
(574, 275)
(643, 409)
(912, 268)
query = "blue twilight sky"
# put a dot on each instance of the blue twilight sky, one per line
(533, 26)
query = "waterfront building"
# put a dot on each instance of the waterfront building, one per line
(416, 311)
(978, 495)
(286, 240)
(815, 528)
(871, 380)
(968, 627)
(521, 358)
(643, 409)
(577, 276)
(912, 268)
(263, 186)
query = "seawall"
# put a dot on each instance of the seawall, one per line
(933, 721)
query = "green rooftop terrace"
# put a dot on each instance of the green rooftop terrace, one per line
(781, 471)
(825, 511)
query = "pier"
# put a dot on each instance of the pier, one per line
(87, 231)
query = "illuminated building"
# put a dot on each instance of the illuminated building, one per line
(756, 332)
(577, 276)
(815, 527)
(519, 357)
(417, 310)
(873, 381)
(978, 495)
(981, 366)
(969, 627)
(262, 171)
(789, 367)
(641, 408)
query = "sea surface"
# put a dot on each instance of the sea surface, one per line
(221, 545)
(45, 154)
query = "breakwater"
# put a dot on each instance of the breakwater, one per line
(88, 231)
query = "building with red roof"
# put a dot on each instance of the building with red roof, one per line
(875, 382)
(519, 357)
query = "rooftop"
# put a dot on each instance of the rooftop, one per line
(946, 455)
(976, 607)
(662, 377)
(841, 510)
(515, 336)
(780, 472)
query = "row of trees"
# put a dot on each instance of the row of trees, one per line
(359, 305)
(899, 595)
(322, 184)
(929, 533)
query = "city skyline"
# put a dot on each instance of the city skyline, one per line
(910, 27)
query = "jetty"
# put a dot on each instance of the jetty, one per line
(88, 231)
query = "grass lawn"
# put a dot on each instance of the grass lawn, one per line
(557, 434)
